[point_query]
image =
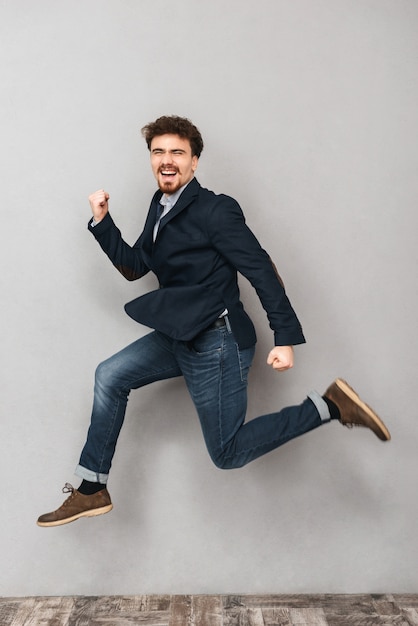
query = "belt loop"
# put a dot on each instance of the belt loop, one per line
(228, 325)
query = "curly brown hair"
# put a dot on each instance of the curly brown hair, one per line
(174, 125)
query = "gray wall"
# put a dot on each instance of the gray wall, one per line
(309, 112)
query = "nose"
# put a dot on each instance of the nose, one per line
(167, 158)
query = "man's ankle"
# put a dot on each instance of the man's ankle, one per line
(334, 411)
(88, 488)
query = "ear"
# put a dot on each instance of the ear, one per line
(195, 161)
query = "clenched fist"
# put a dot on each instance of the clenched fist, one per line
(99, 204)
(281, 358)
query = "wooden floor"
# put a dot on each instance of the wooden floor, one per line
(213, 610)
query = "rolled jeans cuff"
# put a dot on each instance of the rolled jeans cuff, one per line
(321, 406)
(93, 477)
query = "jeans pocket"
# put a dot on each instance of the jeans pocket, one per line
(207, 342)
(245, 359)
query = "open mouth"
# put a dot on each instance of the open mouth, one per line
(168, 173)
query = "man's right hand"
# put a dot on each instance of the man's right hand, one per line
(99, 204)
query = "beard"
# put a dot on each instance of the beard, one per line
(169, 183)
(169, 186)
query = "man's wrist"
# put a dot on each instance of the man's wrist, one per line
(96, 220)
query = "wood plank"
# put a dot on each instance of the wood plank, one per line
(244, 616)
(237, 614)
(349, 603)
(360, 619)
(207, 611)
(385, 605)
(276, 600)
(83, 611)
(277, 617)
(357, 604)
(307, 601)
(121, 611)
(130, 610)
(308, 617)
(50, 611)
(180, 610)
(407, 600)
(411, 615)
(8, 609)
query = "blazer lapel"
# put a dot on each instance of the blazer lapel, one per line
(149, 224)
(188, 195)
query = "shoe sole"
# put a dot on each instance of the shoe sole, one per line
(67, 520)
(349, 391)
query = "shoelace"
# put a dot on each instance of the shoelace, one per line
(68, 489)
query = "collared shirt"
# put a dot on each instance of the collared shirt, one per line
(173, 197)
(167, 201)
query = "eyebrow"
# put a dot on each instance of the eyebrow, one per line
(172, 150)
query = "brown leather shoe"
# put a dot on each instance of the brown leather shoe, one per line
(77, 505)
(353, 411)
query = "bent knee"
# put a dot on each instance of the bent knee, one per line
(224, 461)
(105, 373)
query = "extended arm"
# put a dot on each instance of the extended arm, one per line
(240, 247)
(127, 259)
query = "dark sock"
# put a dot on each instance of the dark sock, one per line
(333, 409)
(88, 489)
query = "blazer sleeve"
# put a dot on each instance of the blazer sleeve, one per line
(127, 259)
(239, 246)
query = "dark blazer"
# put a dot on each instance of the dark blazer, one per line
(201, 244)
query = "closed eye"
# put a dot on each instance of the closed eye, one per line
(159, 151)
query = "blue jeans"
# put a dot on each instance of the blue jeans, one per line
(216, 373)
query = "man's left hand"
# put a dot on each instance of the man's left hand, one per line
(281, 358)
